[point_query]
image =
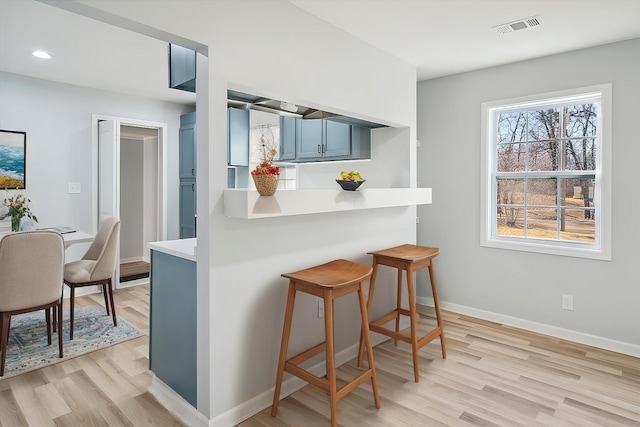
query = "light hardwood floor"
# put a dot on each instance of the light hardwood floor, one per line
(104, 388)
(494, 375)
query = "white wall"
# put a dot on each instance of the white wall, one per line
(240, 261)
(521, 285)
(57, 119)
(151, 185)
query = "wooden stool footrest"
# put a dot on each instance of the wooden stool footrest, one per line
(321, 382)
(388, 332)
(307, 354)
(429, 337)
(355, 383)
(384, 319)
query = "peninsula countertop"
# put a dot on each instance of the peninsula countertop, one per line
(182, 248)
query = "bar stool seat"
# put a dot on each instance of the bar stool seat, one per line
(328, 281)
(408, 258)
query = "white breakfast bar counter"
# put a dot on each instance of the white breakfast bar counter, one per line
(172, 332)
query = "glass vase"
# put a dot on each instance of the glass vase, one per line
(15, 223)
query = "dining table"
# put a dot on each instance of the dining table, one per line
(69, 238)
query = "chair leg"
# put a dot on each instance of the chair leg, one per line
(58, 311)
(106, 302)
(113, 307)
(372, 285)
(367, 339)
(47, 315)
(5, 318)
(413, 310)
(398, 305)
(331, 356)
(284, 345)
(436, 303)
(72, 299)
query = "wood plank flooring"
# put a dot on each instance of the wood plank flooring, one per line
(107, 387)
(494, 375)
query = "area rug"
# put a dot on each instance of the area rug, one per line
(27, 349)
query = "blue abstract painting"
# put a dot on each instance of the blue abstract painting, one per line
(12, 159)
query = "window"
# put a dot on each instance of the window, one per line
(546, 173)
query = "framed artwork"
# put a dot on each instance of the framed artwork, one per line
(13, 146)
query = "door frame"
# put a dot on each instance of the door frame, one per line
(162, 167)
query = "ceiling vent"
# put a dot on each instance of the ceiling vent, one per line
(520, 24)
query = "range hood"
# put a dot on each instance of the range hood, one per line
(252, 102)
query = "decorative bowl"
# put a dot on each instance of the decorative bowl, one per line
(350, 185)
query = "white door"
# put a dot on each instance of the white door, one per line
(109, 177)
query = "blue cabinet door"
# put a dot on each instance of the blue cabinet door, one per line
(237, 137)
(360, 142)
(187, 146)
(187, 208)
(287, 138)
(337, 140)
(310, 141)
(173, 324)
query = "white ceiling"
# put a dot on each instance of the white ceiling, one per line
(439, 37)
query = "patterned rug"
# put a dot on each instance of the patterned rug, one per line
(92, 330)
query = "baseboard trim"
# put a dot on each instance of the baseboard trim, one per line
(541, 328)
(176, 404)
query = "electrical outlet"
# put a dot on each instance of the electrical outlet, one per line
(320, 307)
(567, 302)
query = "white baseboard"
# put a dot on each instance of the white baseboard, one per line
(176, 404)
(541, 328)
(130, 283)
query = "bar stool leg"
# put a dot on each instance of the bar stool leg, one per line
(367, 340)
(331, 361)
(414, 322)
(398, 305)
(284, 345)
(436, 303)
(372, 285)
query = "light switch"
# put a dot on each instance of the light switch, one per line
(75, 188)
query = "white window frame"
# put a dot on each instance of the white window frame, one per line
(601, 249)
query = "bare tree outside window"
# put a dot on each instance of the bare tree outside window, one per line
(545, 172)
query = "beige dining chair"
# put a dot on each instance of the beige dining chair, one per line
(96, 267)
(31, 274)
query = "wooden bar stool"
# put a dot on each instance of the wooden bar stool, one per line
(328, 281)
(409, 258)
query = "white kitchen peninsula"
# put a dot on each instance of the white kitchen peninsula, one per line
(249, 204)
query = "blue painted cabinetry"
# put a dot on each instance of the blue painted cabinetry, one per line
(287, 138)
(172, 335)
(237, 137)
(322, 139)
(187, 154)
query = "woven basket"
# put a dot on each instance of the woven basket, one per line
(266, 184)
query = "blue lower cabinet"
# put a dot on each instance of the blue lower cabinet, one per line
(172, 335)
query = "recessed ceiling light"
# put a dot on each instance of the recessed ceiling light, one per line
(41, 54)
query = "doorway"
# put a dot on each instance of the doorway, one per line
(131, 185)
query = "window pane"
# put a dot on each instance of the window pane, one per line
(543, 156)
(510, 221)
(542, 192)
(574, 191)
(511, 157)
(581, 120)
(510, 191)
(580, 154)
(511, 127)
(578, 225)
(542, 223)
(544, 124)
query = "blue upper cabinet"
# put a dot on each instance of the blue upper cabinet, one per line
(187, 143)
(287, 138)
(337, 141)
(237, 137)
(322, 140)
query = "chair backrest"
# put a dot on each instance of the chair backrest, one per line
(31, 269)
(104, 249)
